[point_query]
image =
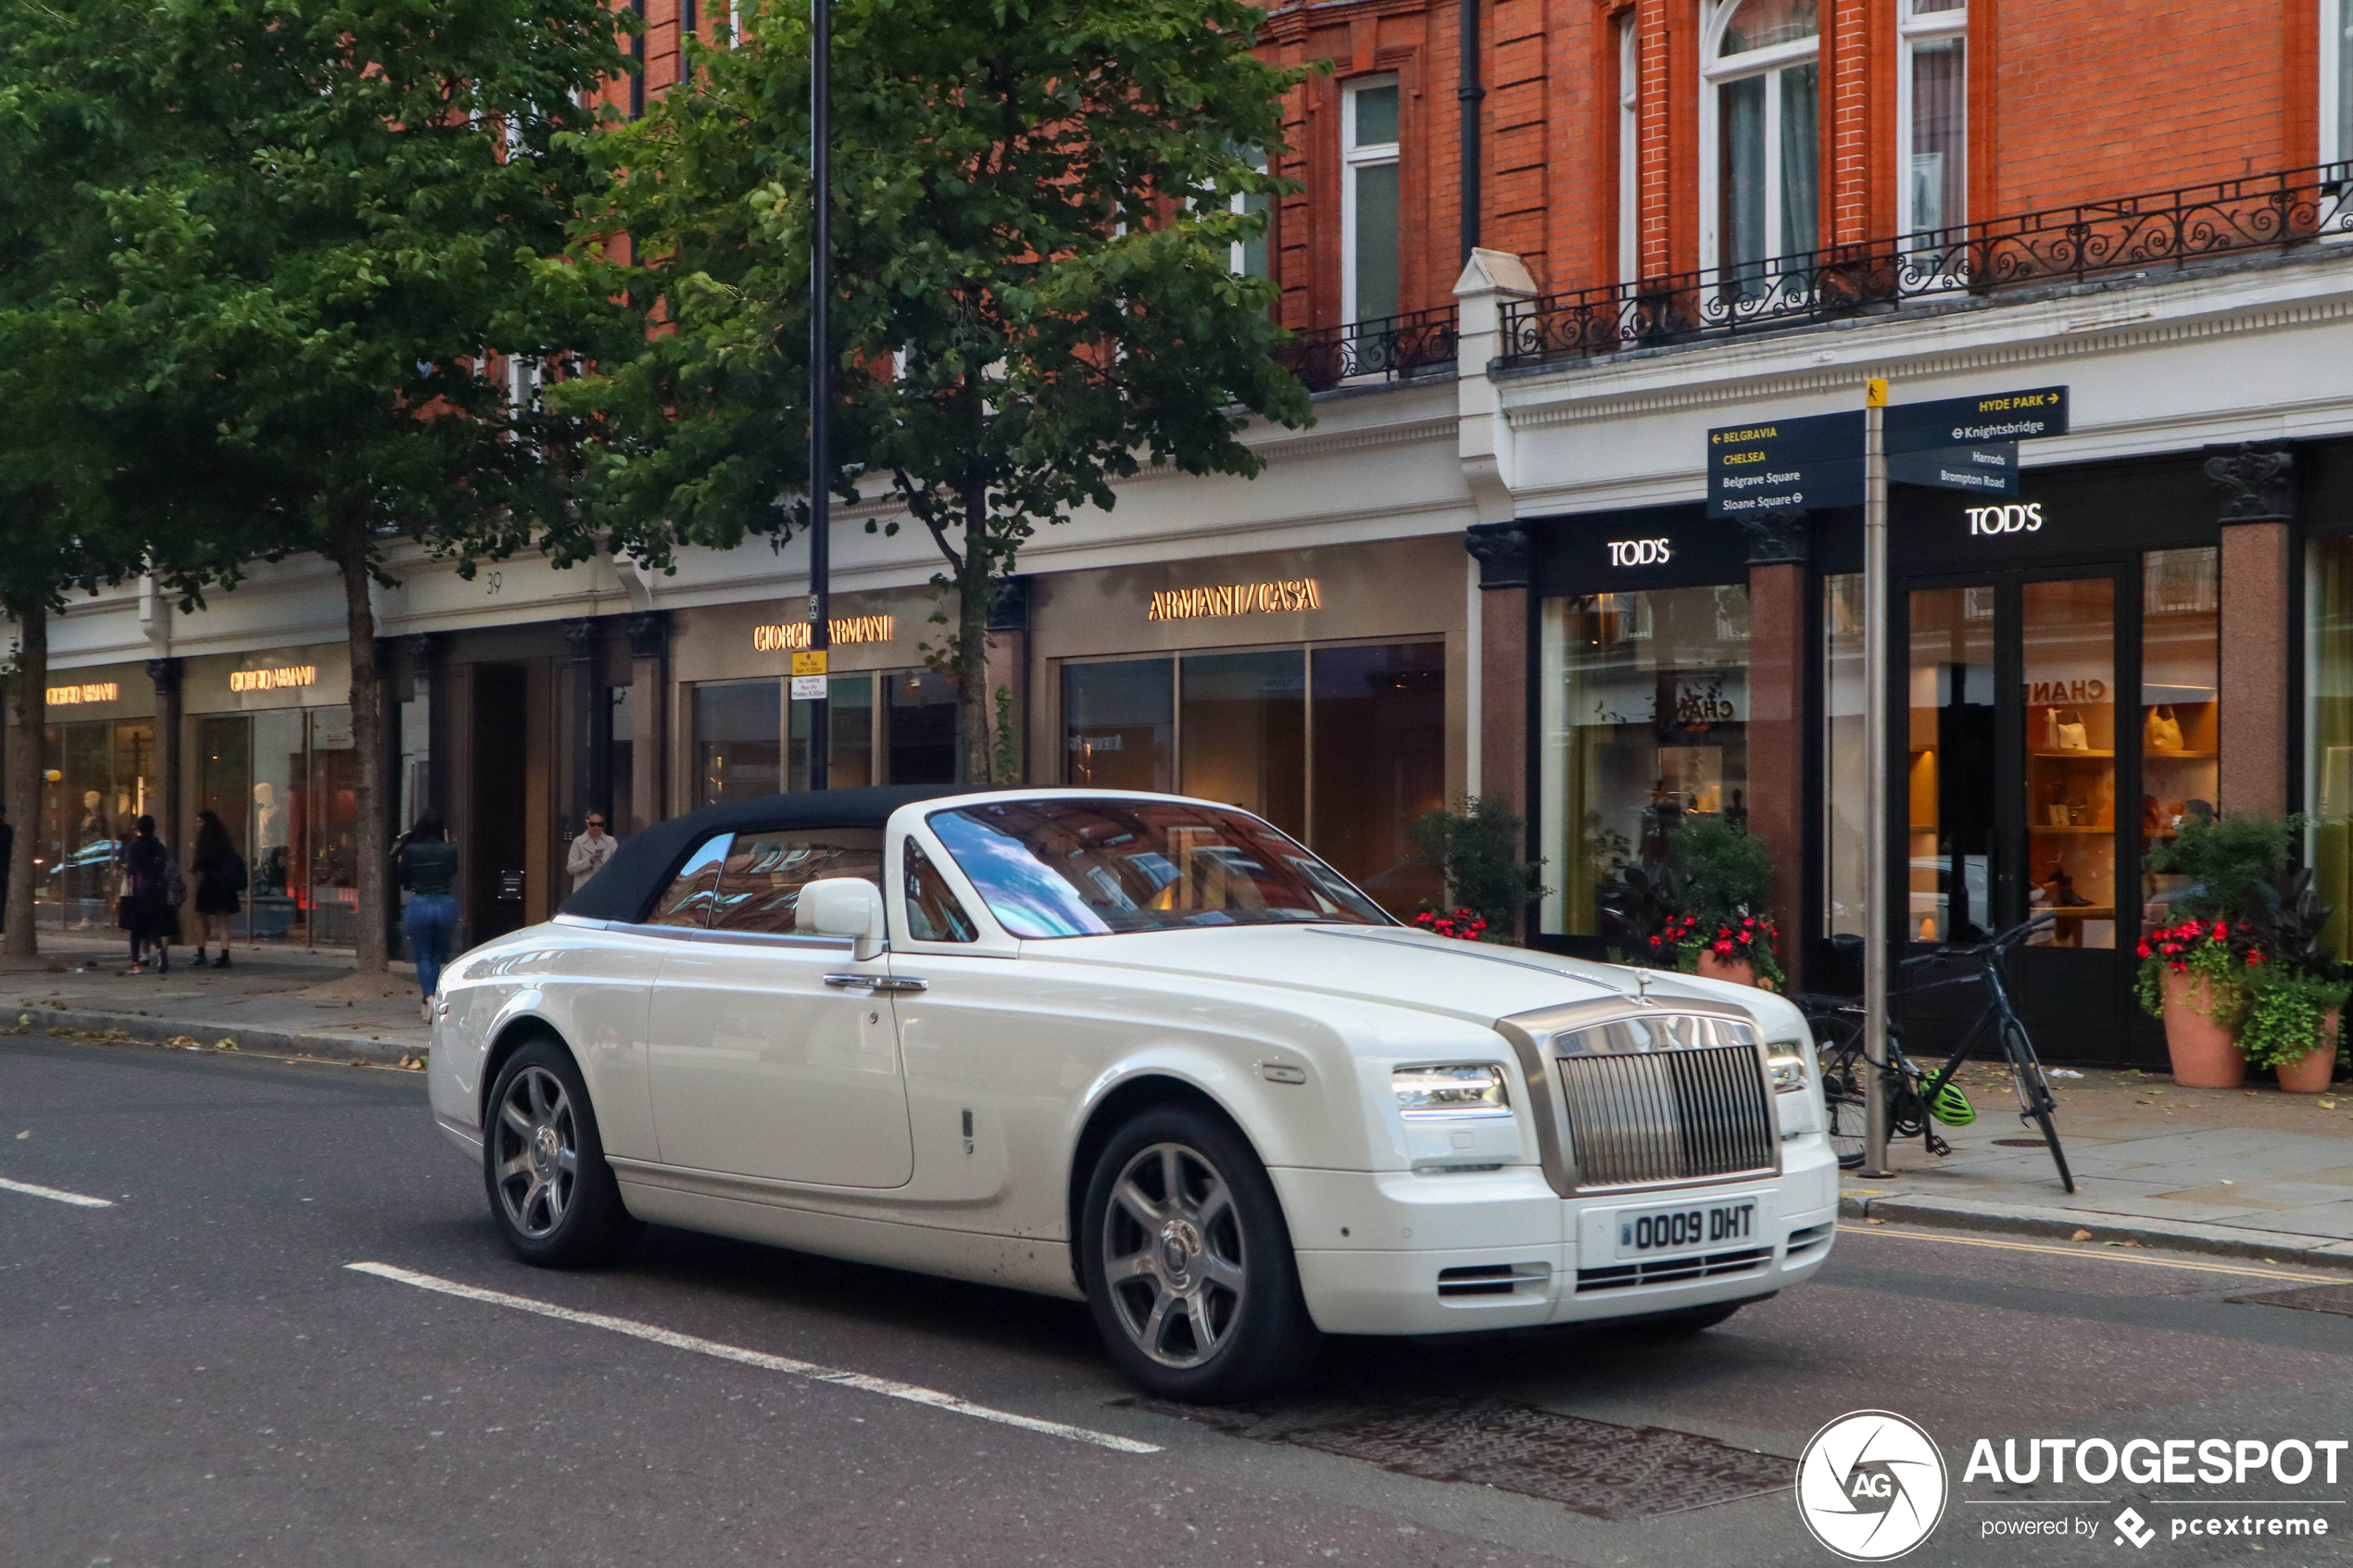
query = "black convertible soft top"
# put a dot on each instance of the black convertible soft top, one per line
(645, 863)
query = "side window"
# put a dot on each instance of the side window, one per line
(686, 901)
(933, 913)
(759, 889)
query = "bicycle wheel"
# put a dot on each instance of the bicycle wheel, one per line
(1847, 1119)
(2034, 1098)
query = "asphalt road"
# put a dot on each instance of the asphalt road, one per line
(193, 1375)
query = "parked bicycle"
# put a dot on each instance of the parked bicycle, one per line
(1918, 1098)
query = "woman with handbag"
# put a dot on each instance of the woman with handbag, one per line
(149, 911)
(221, 883)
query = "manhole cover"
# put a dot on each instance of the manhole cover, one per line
(1594, 1467)
(2309, 1299)
(2019, 1143)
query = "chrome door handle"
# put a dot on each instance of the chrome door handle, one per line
(880, 982)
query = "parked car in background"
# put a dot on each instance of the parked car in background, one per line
(1138, 1049)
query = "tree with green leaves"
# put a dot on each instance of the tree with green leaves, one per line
(1035, 204)
(363, 219)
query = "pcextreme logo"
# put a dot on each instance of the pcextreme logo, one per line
(1871, 1486)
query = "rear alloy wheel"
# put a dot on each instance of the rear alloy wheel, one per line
(1188, 1262)
(551, 1193)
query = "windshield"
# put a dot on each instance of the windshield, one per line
(1090, 868)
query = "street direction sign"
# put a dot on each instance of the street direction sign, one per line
(1988, 468)
(1811, 462)
(1956, 421)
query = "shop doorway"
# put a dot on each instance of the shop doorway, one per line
(2053, 727)
(499, 859)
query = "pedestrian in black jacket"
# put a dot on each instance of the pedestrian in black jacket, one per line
(149, 912)
(221, 883)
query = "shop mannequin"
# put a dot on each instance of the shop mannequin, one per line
(268, 819)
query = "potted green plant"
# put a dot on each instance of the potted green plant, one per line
(2193, 976)
(1477, 850)
(2296, 1000)
(1722, 921)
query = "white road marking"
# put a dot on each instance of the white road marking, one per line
(889, 1387)
(73, 1198)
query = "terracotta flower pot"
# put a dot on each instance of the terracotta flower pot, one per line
(2309, 1073)
(1740, 971)
(2205, 1050)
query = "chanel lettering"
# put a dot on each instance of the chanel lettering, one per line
(1639, 552)
(2011, 519)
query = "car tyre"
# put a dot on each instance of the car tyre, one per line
(1186, 1261)
(552, 1196)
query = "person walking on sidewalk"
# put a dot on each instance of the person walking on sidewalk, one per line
(152, 891)
(426, 864)
(589, 851)
(220, 882)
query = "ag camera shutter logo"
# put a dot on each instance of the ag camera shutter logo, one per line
(1871, 1486)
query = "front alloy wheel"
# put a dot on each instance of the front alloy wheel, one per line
(1174, 1258)
(1186, 1261)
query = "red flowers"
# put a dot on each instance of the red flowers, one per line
(1464, 926)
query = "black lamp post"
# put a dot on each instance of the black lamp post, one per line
(820, 384)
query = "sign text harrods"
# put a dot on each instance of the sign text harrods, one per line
(846, 629)
(274, 679)
(1235, 598)
(96, 691)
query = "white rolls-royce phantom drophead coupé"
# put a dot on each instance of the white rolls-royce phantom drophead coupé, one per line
(1137, 1049)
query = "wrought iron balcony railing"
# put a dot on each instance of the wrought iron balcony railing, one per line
(2168, 229)
(1395, 347)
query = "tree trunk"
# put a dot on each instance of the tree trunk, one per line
(976, 598)
(352, 553)
(28, 695)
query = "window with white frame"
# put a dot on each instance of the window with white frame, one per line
(1932, 118)
(1248, 259)
(1760, 136)
(2337, 81)
(1629, 149)
(1368, 200)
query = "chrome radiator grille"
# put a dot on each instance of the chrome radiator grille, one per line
(1667, 1115)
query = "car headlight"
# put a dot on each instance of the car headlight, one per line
(1785, 1065)
(1451, 1090)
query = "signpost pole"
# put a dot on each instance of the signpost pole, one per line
(821, 456)
(1876, 649)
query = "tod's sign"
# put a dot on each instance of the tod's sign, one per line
(2011, 519)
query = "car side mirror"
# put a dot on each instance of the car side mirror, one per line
(844, 905)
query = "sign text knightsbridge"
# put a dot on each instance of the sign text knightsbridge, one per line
(1872, 1485)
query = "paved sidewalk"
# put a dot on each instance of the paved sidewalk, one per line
(2248, 1172)
(272, 1001)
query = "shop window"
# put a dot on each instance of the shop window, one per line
(2328, 733)
(1846, 896)
(1644, 705)
(1340, 747)
(2337, 81)
(1368, 214)
(1760, 166)
(920, 728)
(761, 881)
(284, 784)
(849, 708)
(2179, 722)
(1933, 119)
(1379, 731)
(1119, 724)
(99, 778)
(1243, 733)
(738, 733)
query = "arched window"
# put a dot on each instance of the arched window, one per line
(1761, 149)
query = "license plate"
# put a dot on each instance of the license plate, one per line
(1643, 1233)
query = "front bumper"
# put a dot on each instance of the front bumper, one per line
(1395, 1252)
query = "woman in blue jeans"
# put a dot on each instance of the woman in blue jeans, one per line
(427, 864)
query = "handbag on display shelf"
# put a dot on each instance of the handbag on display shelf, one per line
(2164, 729)
(2072, 736)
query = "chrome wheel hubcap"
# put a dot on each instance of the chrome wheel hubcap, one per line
(535, 1151)
(1173, 1259)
